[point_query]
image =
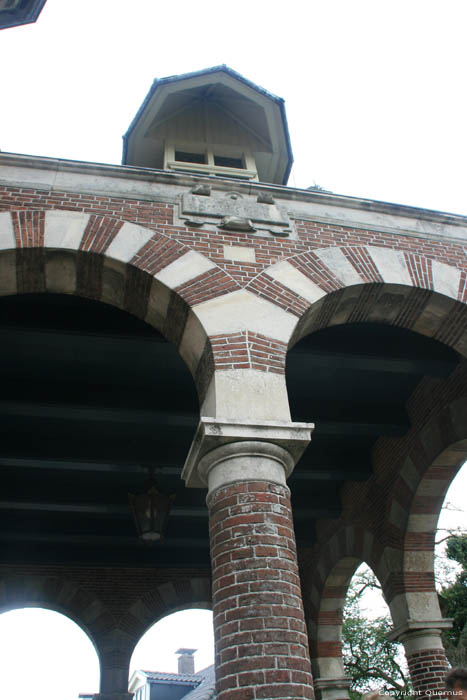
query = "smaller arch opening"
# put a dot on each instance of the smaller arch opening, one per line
(45, 656)
(177, 651)
(371, 661)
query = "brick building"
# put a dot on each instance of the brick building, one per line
(186, 684)
(188, 313)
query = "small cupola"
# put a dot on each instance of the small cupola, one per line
(212, 122)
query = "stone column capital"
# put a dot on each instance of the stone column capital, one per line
(419, 628)
(221, 441)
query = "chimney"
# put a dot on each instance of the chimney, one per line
(186, 661)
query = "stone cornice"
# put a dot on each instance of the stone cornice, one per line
(149, 184)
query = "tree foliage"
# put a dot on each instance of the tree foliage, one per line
(453, 603)
(370, 659)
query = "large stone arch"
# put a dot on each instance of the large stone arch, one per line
(252, 328)
(119, 263)
(330, 286)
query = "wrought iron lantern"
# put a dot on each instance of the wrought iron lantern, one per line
(150, 512)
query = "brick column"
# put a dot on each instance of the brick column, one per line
(425, 655)
(260, 634)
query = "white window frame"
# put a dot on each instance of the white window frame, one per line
(249, 172)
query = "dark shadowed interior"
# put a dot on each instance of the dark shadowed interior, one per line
(92, 397)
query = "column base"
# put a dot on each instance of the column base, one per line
(332, 688)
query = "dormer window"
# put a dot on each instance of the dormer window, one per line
(212, 160)
(213, 122)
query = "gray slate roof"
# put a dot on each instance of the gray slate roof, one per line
(207, 688)
(158, 676)
(204, 680)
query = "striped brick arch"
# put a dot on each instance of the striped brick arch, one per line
(166, 599)
(117, 647)
(331, 286)
(126, 265)
(113, 645)
(59, 594)
(417, 498)
(325, 580)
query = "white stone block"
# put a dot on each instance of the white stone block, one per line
(239, 253)
(391, 265)
(335, 260)
(184, 269)
(7, 234)
(64, 229)
(419, 561)
(421, 522)
(247, 394)
(158, 304)
(242, 310)
(330, 667)
(445, 279)
(430, 487)
(128, 241)
(329, 633)
(293, 279)
(423, 605)
(193, 342)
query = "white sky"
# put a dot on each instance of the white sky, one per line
(375, 91)
(376, 103)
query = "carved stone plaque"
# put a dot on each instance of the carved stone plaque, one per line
(233, 212)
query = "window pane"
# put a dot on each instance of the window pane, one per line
(187, 157)
(227, 162)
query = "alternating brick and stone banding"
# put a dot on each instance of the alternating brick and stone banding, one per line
(233, 302)
(325, 581)
(395, 536)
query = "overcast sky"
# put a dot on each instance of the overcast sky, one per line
(375, 91)
(376, 103)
